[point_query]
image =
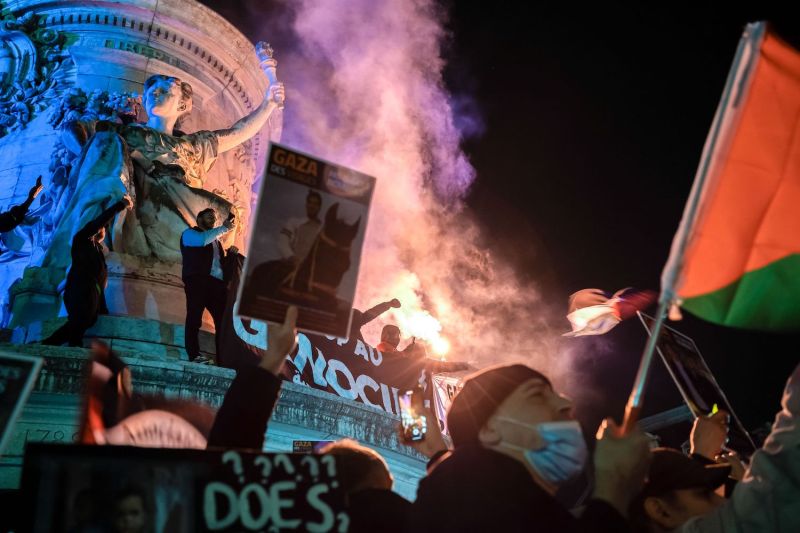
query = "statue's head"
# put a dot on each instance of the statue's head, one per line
(166, 96)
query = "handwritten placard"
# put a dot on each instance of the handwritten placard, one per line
(183, 490)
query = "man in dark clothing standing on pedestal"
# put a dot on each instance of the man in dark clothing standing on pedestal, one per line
(84, 295)
(14, 216)
(203, 278)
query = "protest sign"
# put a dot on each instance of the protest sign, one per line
(444, 390)
(309, 446)
(76, 487)
(17, 378)
(696, 383)
(306, 242)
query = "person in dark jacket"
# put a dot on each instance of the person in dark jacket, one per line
(515, 443)
(371, 503)
(84, 295)
(204, 278)
(14, 216)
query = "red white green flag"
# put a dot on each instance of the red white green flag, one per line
(735, 260)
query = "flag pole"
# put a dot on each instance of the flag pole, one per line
(743, 62)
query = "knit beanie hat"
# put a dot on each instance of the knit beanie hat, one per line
(481, 395)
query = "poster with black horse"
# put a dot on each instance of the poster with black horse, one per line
(306, 242)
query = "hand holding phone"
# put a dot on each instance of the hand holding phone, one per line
(414, 424)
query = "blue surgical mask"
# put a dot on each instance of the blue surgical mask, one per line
(563, 454)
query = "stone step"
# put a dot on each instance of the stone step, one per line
(128, 336)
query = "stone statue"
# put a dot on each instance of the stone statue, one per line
(161, 168)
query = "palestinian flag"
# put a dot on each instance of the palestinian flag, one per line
(735, 260)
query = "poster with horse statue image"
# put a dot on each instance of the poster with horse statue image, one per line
(306, 242)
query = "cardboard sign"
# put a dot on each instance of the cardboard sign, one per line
(696, 383)
(306, 242)
(103, 488)
(17, 378)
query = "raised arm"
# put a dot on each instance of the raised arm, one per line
(242, 419)
(94, 226)
(375, 312)
(204, 238)
(252, 123)
(766, 499)
(13, 217)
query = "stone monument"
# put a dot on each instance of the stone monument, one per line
(83, 61)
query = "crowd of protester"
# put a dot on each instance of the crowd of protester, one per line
(514, 442)
(513, 438)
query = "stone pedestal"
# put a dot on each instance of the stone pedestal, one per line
(302, 413)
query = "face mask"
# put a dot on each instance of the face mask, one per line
(563, 454)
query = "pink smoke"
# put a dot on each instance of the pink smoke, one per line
(365, 89)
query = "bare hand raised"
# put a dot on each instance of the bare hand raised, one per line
(709, 434)
(280, 342)
(36, 189)
(621, 463)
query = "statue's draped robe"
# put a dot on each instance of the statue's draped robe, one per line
(162, 173)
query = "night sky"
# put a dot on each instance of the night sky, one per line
(593, 125)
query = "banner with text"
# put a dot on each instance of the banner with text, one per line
(103, 488)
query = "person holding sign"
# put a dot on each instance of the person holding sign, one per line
(680, 492)
(84, 295)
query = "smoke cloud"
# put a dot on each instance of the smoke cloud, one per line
(365, 89)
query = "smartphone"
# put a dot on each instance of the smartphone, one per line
(414, 424)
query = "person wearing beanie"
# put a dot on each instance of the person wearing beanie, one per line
(515, 443)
